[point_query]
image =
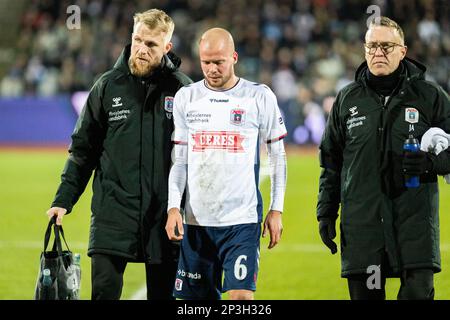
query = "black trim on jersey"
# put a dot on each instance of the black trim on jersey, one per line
(276, 139)
(179, 142)
(261, 84)
(204, 83)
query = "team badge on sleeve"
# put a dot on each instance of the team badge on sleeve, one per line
(237, 117)
(411, 115)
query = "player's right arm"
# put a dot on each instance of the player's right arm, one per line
(174, 225)
(84, 152)
(178, 171)
(177, 184)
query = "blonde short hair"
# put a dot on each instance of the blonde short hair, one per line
(386, 22)
(156, 19)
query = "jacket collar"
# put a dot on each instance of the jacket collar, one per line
(413, 69)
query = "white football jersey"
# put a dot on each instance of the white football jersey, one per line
(223, 130)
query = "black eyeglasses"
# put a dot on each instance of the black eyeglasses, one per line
(386, 47)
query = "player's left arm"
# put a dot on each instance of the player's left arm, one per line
(278, 176)
(273, 131)
(178, 171)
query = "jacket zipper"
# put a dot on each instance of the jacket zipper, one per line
(141, 215)
(383, 102)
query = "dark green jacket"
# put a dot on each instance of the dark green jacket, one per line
(360, 154)
(124, 135)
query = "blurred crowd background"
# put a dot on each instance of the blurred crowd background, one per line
(305, 50)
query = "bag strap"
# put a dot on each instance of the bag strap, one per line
(48, 232)
(59, 233)
(58, 230)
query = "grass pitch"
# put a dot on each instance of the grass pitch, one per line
(300, 267)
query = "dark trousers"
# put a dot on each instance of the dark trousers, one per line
(107, 278)
(416, 284)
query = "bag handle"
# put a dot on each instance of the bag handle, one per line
(59, 233)
(57, 242)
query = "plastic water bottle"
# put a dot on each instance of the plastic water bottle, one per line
(46, 284)
(412, 145)
(46, 279)
(77, 276)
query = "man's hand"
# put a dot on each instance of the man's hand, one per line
(327, 230)
(174, 225)
(58, 212)
(274, 225)
(416, 163)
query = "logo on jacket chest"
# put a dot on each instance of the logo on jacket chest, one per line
(116, 102)
(118, 114)
(355, 121)
(353, 111)
(412, 117)
(168, 106)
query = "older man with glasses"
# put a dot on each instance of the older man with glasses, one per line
(387, 229)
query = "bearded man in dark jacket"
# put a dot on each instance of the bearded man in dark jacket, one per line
(387, 230)
(124, 135)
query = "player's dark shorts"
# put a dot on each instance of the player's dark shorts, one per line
(207, 252)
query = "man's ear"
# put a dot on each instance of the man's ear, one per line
(168, 47)
(235, 57)
(404, 50)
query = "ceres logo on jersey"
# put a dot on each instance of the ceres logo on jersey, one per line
(222, 140)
